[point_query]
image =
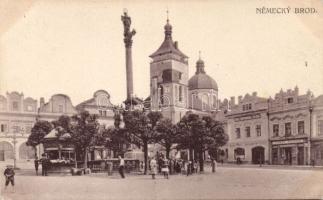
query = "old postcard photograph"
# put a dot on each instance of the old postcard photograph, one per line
(175, 99)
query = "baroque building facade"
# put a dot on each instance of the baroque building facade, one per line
(316, 131)
(17, 117)
(289, 127)
(247, 129)
(19, 114)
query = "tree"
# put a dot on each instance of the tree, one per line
(38, 132)
(116, 139)
(64, 122)
(85, 133)
(167, 134)
(201, 134)
(185, 133)
(140, 128)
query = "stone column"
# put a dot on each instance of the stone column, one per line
(129, 72)
(128, 45)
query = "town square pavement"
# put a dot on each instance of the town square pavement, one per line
(227, 183)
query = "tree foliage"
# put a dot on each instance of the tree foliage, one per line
(167, 134)
(85, 133)
(141, 129)
(200, 134)
(38, 132)
(116, 140)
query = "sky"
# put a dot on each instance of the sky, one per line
(76, 47)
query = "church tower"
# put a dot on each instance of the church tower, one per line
(169, 78)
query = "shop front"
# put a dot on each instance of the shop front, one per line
(317, 152)
(290, 152)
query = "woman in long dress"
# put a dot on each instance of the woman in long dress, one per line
(153, 167)
(165, 168)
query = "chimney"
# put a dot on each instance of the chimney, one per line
(176, 44)
(232, 101)
(42, 102)
(254, 94)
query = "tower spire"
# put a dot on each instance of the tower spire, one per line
(167, 11)
(168, 27)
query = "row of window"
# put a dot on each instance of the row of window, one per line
(246, 107)
(248, 132)
(15, 106)
(288, 129)
(15, 129)
(103, 113)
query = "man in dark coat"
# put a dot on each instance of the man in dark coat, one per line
(36, 162)
(44, 164)
(10, 176)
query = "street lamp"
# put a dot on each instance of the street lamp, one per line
(14, 141)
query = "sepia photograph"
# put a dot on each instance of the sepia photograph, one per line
(161, 100)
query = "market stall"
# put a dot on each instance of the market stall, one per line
(59, 151)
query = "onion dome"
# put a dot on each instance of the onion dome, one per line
(201, 80)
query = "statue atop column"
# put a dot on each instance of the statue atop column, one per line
(127, 33)
(128, 44)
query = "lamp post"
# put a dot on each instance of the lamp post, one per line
(14, 141)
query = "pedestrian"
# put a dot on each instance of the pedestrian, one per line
(9, 174)
(36, 162)
(153, 167)
(214, 165)
(188, 167)
(195, 166)
(165, 168)
(121, 167)
(44, 164)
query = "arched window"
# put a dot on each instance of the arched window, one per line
(6, 151)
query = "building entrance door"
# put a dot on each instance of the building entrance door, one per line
(288, 156)
(258, 155)
(300, 156)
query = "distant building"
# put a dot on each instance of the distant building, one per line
(289, 127)
(316, 111)
(58, 104)
(101, 106)
(247, 126)
(17, 117)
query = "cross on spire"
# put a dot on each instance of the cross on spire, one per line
(200, 54)
(167, 12)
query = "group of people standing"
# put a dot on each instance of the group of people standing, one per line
(166, 166)
(163, 167)
(45, 162)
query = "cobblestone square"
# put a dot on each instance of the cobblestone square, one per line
(226, 183)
